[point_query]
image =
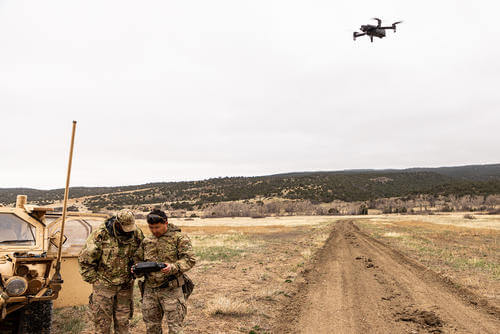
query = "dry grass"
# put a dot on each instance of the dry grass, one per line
(248, 222)
(242, 275)
(469, 256)
(70, 319)
(320, 237)
(457, 219)
(245, 266)
(393, 235)
(221, 247)
(306, 253)
(268, 293)
(222, 305)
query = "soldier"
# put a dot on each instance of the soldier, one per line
(163, 294)
(105, 263)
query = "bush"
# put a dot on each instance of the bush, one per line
(469, 216)
(494, 212)
(387, 210)
(401, 210)
(447, 208)
(333, 211)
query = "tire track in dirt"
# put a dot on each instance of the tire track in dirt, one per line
(360, 285)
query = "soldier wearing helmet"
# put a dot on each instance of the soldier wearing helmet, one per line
(105, 262)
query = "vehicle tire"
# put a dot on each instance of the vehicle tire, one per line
(10, 325)
(36, 318)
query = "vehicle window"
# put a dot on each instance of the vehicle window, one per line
(50, 219)
(15, 231)
(77, 233)
(95, 223)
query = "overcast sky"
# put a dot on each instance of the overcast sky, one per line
(185, 90)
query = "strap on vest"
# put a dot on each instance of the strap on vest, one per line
(172, 281)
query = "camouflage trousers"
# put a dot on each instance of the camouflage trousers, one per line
(168, 302)
(111, 305)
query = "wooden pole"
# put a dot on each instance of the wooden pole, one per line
(65, 205)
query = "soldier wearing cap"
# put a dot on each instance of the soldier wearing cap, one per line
(105, 262)
(163, 294)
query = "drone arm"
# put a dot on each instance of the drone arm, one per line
(357, 34)
(394, 25)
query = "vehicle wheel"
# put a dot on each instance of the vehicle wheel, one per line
(10, 325)
(36, 318)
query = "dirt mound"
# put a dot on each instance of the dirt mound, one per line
(359, 285)
(426, 319)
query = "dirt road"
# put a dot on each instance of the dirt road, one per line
(359, 285)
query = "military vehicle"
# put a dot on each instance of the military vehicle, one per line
(29, 242)
(34, 249)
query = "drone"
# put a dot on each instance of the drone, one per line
(374, 31)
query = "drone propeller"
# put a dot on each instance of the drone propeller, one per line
(378, 20)
(394, 25)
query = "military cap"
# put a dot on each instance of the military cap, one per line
(126, 219)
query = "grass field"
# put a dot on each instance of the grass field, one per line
(248, 268)
(465, 250)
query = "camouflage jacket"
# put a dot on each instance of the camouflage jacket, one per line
(173, 248)
(107, 258)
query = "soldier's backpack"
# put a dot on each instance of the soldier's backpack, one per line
(188, 286)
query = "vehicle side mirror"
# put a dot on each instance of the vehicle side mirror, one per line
(56, 237)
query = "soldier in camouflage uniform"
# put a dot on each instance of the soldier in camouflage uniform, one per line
(105, 263)
(163, 295)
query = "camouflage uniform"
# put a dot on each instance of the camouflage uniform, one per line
(105, 263)
(165, 299)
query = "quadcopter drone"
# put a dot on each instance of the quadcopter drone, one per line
(374, 31)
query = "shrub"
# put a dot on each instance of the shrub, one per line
(333, 211)
(387, 210)
(447, 208)
(494, 212)
(224, 306)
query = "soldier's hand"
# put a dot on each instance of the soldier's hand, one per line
(167, 269)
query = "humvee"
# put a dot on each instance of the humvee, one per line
(29, 242)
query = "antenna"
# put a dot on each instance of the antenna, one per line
(57, 275)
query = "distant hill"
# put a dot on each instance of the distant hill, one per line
(471, 173)
(348, 185)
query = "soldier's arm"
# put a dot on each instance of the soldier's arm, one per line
(185, 253)
(89, 258)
